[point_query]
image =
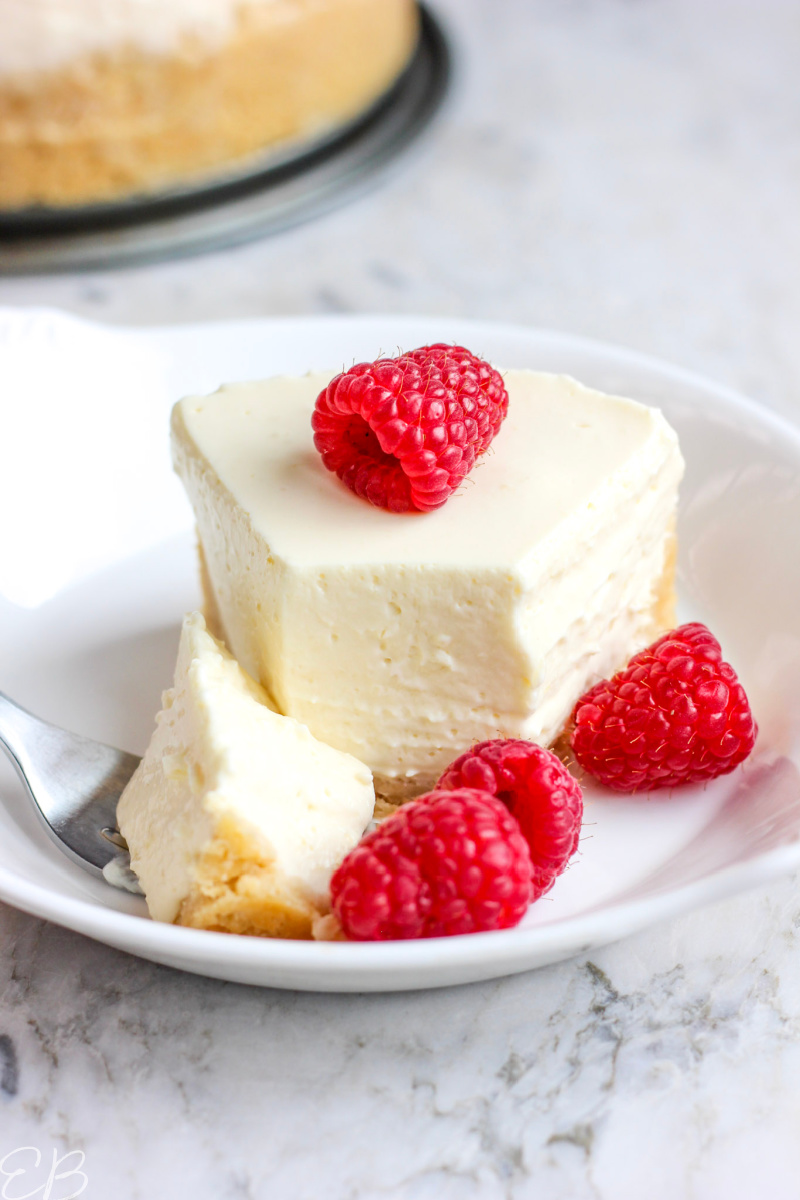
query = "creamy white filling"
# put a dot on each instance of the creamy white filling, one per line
(43, 35)
(584, 620)
(402, 639)
(616, 622)
(222, 763)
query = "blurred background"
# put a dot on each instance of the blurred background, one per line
(623, 169)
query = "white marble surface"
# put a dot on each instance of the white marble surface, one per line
(627, 170)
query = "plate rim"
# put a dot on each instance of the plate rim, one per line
(496, 953)
(628, 916)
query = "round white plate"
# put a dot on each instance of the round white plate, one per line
(96, 657)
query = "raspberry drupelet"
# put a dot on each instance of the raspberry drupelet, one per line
(404, 432)
(537, 789)
(447, 863)
(676, 714)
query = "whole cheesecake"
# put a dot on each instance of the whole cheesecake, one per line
(105, 98)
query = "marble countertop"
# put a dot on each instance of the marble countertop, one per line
(627, 171)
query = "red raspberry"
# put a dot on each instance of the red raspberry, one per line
(403, 432)
(676, 714)
(537, 789)
(449, 862)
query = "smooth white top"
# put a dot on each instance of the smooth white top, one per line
(559, 444)
(41, 35)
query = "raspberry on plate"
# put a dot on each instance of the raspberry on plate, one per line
(537, 789)
(676, 714)
(446, 863)
(404, 432)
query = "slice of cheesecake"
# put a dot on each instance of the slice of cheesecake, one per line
(237, 816)
(402, 639)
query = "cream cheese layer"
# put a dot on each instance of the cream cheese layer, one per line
(235, 807)
(403, 638)
(43, 35)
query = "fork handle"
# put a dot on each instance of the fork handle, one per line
(73, 782)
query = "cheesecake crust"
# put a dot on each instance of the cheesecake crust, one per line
(237, 891)
(112, 125)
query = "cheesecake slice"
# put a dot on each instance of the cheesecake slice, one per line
(403, 638)
(237, 816)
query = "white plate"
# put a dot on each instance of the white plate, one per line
(95, 659)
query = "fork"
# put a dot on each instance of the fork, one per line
(74, 784)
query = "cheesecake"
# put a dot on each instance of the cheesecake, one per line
(401, 639)
(104, 99)
(237, 816)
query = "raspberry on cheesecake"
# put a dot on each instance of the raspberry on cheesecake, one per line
(404, 432)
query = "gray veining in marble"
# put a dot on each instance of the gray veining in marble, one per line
(625, 169)
(663, 1066)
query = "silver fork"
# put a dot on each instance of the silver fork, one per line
(74, 784)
